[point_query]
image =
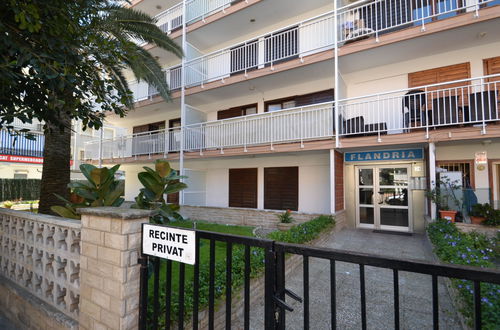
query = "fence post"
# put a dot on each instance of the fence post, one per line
(109, 268)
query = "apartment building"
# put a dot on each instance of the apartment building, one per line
(347, 108)
(22, 157)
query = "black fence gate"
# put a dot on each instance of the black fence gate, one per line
(172, 294)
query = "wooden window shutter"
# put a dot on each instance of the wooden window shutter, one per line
(281, 188)
(230, 113)
(312, 98)
(492, 66)
(440, 75)
(243, 187)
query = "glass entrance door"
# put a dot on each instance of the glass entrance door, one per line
(382, 197)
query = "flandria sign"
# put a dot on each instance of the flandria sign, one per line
(169, 243)
(394, 155)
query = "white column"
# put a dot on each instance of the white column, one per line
(332, 181)
(432, 175)
(260, 188)
(336, 74)
(183, 98)
(101, 132)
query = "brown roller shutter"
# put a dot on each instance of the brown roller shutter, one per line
(281, 188)
(492, 66)
(243, 187)
(440, 75)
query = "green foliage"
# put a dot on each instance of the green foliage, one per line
(444, 194)
(492, 216)
(304, 232)
(8, 204)
(286, 217)
(67, 58)
(13, 189)
(161, 181)
(100, 189)
(257, 257)
(455, 247)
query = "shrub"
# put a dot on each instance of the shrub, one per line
(473, 249)
(304, 232)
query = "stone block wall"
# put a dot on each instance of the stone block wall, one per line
(241, 216)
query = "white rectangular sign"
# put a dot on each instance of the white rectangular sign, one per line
(169, 243)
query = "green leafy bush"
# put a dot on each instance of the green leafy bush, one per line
(14, 189)
(286, 217)
(304, 232)
(472, 249)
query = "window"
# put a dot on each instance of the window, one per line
(460, 166)
(244, 57)
(82, 154)
(237, 111)
(492, 66)
(440, 75)
(299, 100)
(174, 123)
(243, 187)
(108, 133)
(281, 104)
(281, 188)
(282, 45)
(149, 127)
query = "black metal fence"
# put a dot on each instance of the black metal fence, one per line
(165, 303)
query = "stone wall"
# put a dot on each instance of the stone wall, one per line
(41, 254)
(241, 216)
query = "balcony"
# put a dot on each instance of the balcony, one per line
(470, 103)
(460, 103)
(159, 142)
(19, 145)
(144, 91)
(290, 125)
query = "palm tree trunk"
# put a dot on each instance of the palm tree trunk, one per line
(56, 166)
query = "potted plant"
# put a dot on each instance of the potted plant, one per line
(443, 195)
(479, 213)
(286, 220)
(8, 204)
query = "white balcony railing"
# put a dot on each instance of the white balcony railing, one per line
(298, 40)
(139, 144)
(170, 19)
(289, 125)
(199, 9)
(143, 91)
(366, 18)
(456, 103)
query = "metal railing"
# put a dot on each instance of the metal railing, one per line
(296, 124)
(139, 144)
(143, 91)
(163, 301)
(199, 9)
(371, 18)
(300, 39)
(20, 145)
(170, 19)
(472, 101)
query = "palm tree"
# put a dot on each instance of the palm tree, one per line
(108, 35)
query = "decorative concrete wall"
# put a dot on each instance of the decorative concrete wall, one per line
(41, 254)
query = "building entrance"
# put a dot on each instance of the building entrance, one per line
(382, 197)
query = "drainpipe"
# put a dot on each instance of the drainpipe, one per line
(332, 181)
(432, 176)
(101, 134)
(336, 74)
(183, 99)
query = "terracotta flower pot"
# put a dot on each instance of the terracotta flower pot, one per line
(284, 226)
(448, 215)
(477, 220)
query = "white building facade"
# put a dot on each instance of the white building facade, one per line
(319, 107)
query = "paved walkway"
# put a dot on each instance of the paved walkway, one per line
(415, 289)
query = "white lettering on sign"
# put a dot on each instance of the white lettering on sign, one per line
(169, 243)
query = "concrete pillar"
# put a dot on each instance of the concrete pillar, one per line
(109, 272)
(432, 175)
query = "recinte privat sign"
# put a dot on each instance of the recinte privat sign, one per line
(169, 243)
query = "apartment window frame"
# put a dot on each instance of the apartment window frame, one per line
(238, 111)
(466, 166)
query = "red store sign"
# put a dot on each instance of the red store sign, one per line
(21, 159)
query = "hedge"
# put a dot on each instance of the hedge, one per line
(13, 189)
